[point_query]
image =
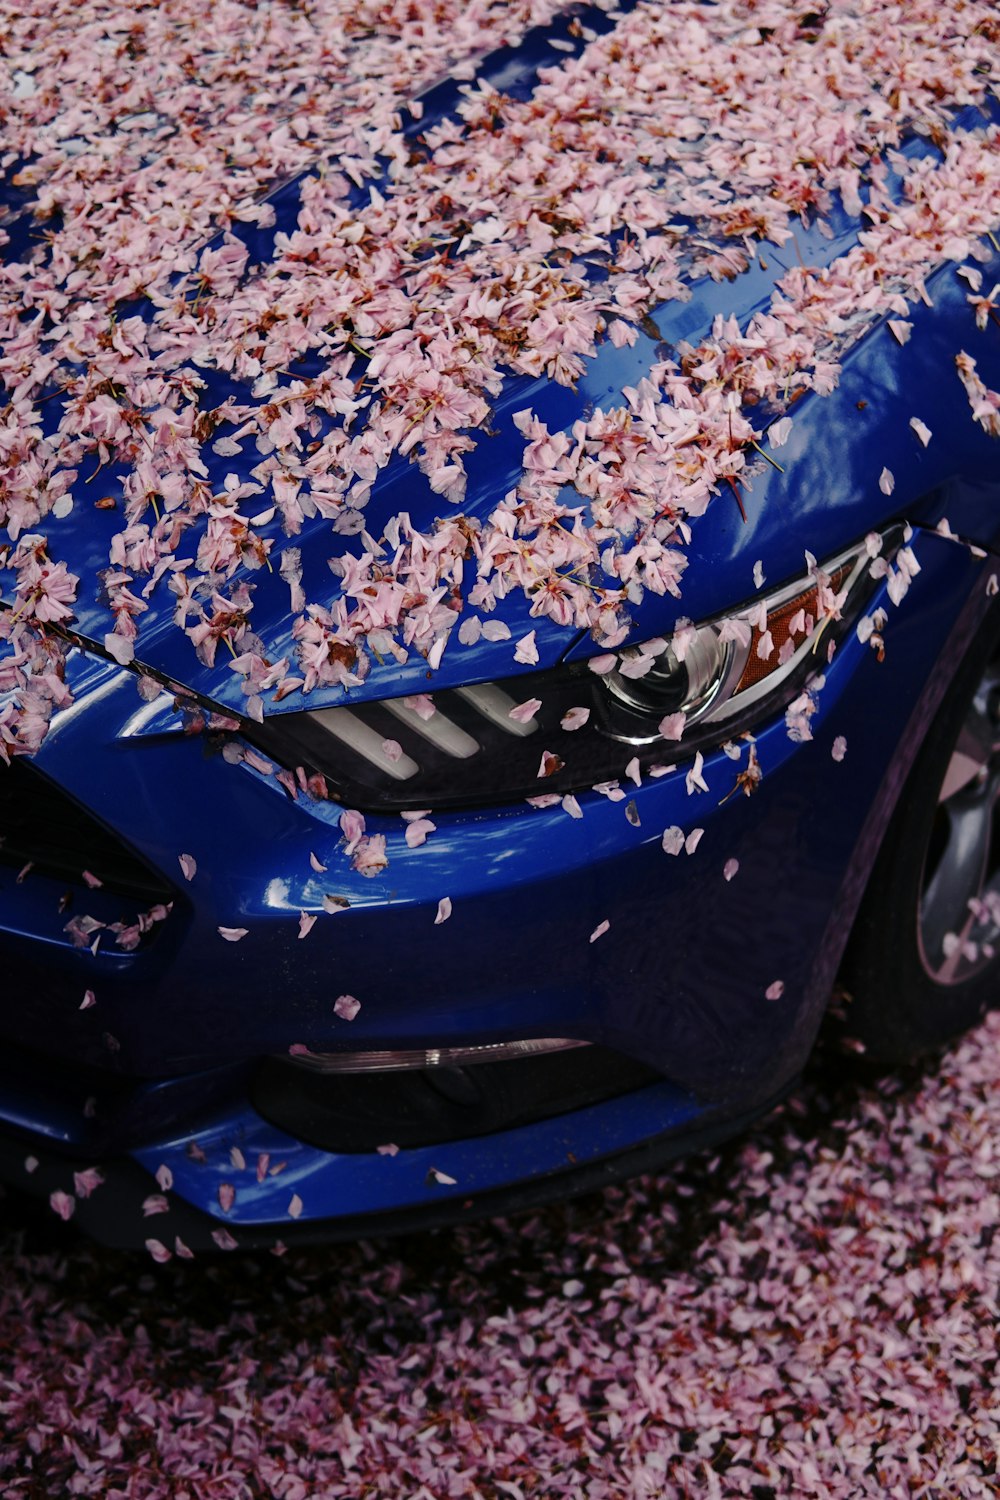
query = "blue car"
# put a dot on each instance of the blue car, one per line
(451, 927)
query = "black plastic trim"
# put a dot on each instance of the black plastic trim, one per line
(355, 1112)
(41, 825)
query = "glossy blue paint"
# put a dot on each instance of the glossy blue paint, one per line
(549, 878)
(331, 1186)
(679, 979)
(865, 423)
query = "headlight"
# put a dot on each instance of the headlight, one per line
(684, 679)
(658, 701)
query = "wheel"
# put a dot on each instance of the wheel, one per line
(923, 963)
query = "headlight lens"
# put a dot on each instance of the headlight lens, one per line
(687, 684)
(658, 701)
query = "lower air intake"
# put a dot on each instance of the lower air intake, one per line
(41, 826)
(350, 1112)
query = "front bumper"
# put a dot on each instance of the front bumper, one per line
(679, 980)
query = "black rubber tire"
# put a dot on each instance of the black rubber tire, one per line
(895, 1007)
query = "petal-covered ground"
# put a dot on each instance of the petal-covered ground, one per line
(811, 1312)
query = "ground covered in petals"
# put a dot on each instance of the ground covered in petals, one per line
(812, 1311)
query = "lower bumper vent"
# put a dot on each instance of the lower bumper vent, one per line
(40, 825)
(354, 1112)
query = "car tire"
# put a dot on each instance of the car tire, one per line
(923, 962)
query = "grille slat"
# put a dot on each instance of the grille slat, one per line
(358, 736)
(439, 730)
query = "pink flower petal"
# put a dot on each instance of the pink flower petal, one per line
(422, 705)
(673, 840)
(120, 647)
(672, 726)
(87, 1182)
(525, 650)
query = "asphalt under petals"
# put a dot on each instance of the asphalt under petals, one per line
(811, 1311)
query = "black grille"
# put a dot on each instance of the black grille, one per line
(356, 1112)
(40, 825)
(497, 759)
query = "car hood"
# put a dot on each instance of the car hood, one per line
(725, 542)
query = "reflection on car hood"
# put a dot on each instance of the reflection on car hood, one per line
(730, 535)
